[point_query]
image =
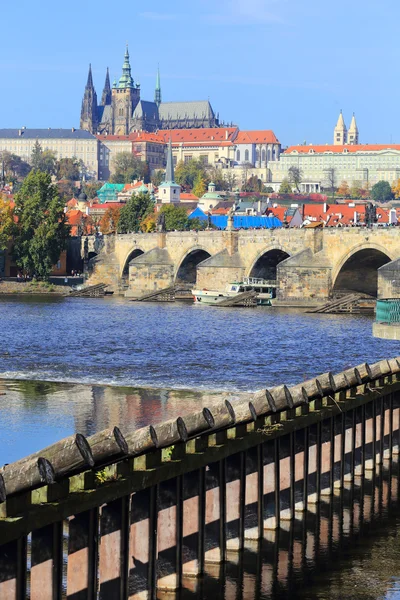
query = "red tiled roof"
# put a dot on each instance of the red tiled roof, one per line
(319, 149)
(266, 136)
(198, 135)
(137, 136)
(188, 197)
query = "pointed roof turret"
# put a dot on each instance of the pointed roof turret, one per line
(106, 96)
(169, 172)
(352, 135)
(89, 83)
(126, 80)
(157, 93)
(340, 122)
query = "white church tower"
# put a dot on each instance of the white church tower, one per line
(340, 132)
(352, 134)
(169, 191)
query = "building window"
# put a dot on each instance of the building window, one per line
(246, 156)
(238, 155)
(188, 158)
(263, 155)
(204, 159)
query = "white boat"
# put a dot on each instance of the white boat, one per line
(266, 292)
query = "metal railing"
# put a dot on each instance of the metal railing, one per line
(388, 310)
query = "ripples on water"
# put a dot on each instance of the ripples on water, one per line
(177, 345)
(63, 363)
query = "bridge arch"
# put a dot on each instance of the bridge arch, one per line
(186, 272)
(266, 262)
(133, 253)
(357, 270)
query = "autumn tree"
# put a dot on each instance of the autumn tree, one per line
(381, 192)
(344, 189)
(231, 179)
(254, 184)
(15, 168)
(199, 185)
(110, 219)
(6, 222)
(41, 231)
(285, 187)
(149, 223)
(134, 212)
(295, 177)
(128, 167)
(396, 188)
(355, 190)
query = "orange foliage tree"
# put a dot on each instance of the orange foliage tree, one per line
(110, 219)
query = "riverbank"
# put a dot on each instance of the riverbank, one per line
(32, 288)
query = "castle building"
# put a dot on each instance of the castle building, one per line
(122, 111)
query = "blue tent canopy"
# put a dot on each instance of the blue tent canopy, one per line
(239, 222)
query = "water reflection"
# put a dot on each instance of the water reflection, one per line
(346, 547)
(34, 414)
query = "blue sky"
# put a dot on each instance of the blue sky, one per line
(286, 65)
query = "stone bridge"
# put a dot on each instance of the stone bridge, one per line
(308, 264)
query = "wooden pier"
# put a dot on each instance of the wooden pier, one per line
(140, 514)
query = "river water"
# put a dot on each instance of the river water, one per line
(87, 364)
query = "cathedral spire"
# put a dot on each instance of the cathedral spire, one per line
(157, 93)
(89, 106)
(89, 83)
(106, 97)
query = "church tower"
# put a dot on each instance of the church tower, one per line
(125, 97)
(169, 191)
(106, 96)
(352, 135)
(340, 132)
(89, 106)
(157, 93)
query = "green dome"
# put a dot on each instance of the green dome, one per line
(143, 189)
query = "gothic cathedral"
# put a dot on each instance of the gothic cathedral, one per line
(122, 112)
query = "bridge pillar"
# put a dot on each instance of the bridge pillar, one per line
(304, 279)
(150, 272)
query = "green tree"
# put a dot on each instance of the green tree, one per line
(176, 218)
(41, 231)
(15, 168)
(158, 177)
(285, 187)
(134, 212)
(6, 223)
(36, 155)
(43, 160)
(295, 177)
(128, 167)
(268, 189)
(68, 168)
(91, 188)
(186, 173)
(66, 190)
(253, 185)
(199, 185)
(381, 192)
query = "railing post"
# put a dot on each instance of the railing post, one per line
(112, 549)
(46, 562)
(214, 513)
(82, 555)
(193, 523)
(142, 545)
(234, 489)
(13, 570)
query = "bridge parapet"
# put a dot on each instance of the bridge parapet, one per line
(146, 508)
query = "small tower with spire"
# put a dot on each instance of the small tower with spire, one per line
(106, 96)
(169, 191)
(157, 93)
(340, 132)
(352, 134)
(89, 106)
